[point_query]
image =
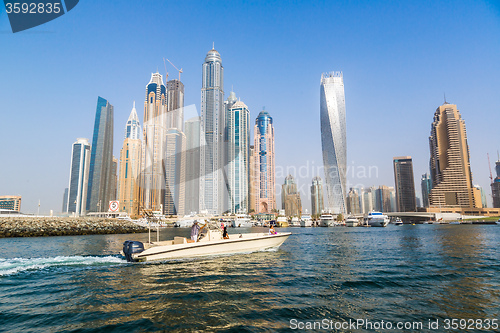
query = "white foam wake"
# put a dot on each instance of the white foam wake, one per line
(18, 265)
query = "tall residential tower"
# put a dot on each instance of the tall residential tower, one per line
(333, 139)
(152, 174)
(212, 178)
(405, 185)
(100, 187)
(450, 162)
(78, 178)
(130, 164)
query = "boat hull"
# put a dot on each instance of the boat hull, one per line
(247, 243)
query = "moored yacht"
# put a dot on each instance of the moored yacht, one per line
(351, 221)
(377, 219)
(242, 221)
(306, 221)
(326, 220)
(295, 222)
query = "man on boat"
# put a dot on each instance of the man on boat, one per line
(195, 229)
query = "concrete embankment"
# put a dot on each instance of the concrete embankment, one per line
(64, 226)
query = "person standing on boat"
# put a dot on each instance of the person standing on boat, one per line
(195, 229)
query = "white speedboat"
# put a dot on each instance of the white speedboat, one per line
(351, 222)
(242, 221)
(306, 221)
(326, 220)
(295, 222)
(498, 222)
(211, 244)
(377, 219)
(398, 222)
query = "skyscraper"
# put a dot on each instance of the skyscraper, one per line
(353, 202)
(263, 187)
(175, 104)
(237, 152)
(333, 139)
(426, 184)
(495, 187)
(450, 162)
(101, 159)
(78, 178)
(192, 187)
(152, 175)
(130, 165)
(290, 197)
(212, 183)
(175, 168)
(317, 205)
(65, 201)
(175, 172)
(251, 180)
(405, 184)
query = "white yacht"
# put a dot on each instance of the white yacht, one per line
(351, 221)
(306, 221)
(295, 222)
(211, 244)
(326, 220)
(242, 221)
(377, 219)
(281, 221)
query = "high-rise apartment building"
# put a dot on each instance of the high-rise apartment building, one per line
(426, 185)
(76, 204)
(175, 172)
(450, 162)
(405, 184)
(317, 204)
(237, 153)
(192, 177)
(130, 165)
(175, 104)
(100, 184)
(65, 201)
(495, 187)
(152, 174)
(264, 176)
(251, 180)
(333, 139)
(212, 179)
(353, 206)
(175, 167)
(290, 197)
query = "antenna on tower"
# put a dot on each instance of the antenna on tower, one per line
(445, 102)
(213, 45)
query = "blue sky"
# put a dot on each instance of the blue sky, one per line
(398, 59)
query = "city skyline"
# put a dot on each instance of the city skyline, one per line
(415, 74)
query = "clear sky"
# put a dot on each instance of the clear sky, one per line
(398, 59)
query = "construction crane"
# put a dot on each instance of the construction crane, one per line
(180, 70)
(166, 72)
(489, 165)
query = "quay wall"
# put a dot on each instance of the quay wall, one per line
(64, 226)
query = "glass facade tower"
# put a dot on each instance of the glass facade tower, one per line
(212, 179)
(101, 159)
(333, 139)
(78, 178)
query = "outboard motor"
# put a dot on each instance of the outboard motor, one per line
(130, 247)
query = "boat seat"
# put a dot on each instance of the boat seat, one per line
(180, 240)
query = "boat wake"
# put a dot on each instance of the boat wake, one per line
(19, 265)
